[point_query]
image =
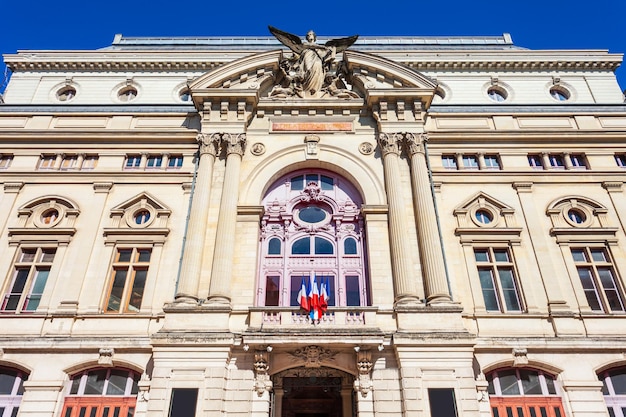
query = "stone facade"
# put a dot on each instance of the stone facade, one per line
(143, 184)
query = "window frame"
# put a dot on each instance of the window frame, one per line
(495, 268)
(132, 161)
(47, 162)
(10, 403)
(602, 300)
(32, 279)
(131, 267)
(615, 403)
(5, 160)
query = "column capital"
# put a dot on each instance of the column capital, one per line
(415, 143)
(235, 143)
(390, 142)
(208, 143)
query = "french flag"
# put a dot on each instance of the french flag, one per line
(303, 297)
(314, 300)
(324, 295)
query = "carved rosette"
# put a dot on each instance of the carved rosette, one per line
(390, 143)
(262, 381)
(364, 365)
(208, 143)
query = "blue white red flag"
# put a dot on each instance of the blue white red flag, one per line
(303, 297)
(324, 294)
(314, 300)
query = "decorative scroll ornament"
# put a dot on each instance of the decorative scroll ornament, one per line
(144, 388)
(390, 142)
(208, 143)
(307, 73)
(313, 356)
(106, 356)
(364, 365)
(415, 143)
(262, 381)
(520, 356)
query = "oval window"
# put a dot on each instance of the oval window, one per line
(142, 217)
(49, 216)
(483, 216)
(576, 216)
(312, 214)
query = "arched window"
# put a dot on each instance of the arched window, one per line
(11, 391)
(614, 390)
(312, 227)
(523, 392)
(110, 392)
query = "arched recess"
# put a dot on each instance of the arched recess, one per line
(312, 234)
(266, 172)
(323, 390)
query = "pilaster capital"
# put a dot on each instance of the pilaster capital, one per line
(415, 143)
(208, 143)
(390, 143)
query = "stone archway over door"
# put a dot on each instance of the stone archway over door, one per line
(320, 392)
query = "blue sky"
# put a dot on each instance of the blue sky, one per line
(534, 24)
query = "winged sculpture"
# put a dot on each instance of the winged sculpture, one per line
(306, 73)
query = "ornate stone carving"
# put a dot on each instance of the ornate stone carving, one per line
(520, 356)
(106, 356)
(415, 143)
(208, 143)
(144, 388)
(234, 143)
(366, 148)
(390, 142)
(313, 356)
(257, 149)
(307, 73)
(364, 365)
(262, 381)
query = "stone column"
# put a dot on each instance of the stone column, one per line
(187, 290)
(219, 288)
(404, 279)
(430, 248)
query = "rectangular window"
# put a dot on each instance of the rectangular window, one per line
(175, 161)
(30, 273)
(556, 161)
(47, 161)
(353, 292)
(578, 161)
(183, 403)
(442, 402)
(449, 161)
(497, 279)
(128, 280)
(272, 291)
(154, 161)
(69, 162)
(5, 161)
(598, 279)
(620, 160)
(492, 162)
(535, 161)
(470, 162)
(133, 161)
(90, 162)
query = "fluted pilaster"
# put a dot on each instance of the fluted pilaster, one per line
(219, 289)
(187, 291)
(431, 251)
(405, 282)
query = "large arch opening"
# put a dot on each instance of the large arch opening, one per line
(312, 232)
(313, 392)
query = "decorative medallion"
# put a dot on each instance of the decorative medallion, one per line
(366, 148)
(257, 149)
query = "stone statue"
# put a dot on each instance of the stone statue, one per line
(307, 73)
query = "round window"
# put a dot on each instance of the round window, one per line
(66, 93)
(127, 94)
(497, 94)
(559, 94)
(142, 217)
(483, 216)
(576, 216)
(185, 95)
(49, 216)
(312, 214)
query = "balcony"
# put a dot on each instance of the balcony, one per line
(294, 317)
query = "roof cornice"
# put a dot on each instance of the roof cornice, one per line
(424, 60)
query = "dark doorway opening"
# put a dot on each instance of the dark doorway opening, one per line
(312, 397)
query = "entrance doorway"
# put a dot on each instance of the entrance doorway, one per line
(321, 392)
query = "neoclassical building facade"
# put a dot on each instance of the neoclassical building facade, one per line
(164, 201)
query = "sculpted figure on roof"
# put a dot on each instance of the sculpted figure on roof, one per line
(307, 74)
